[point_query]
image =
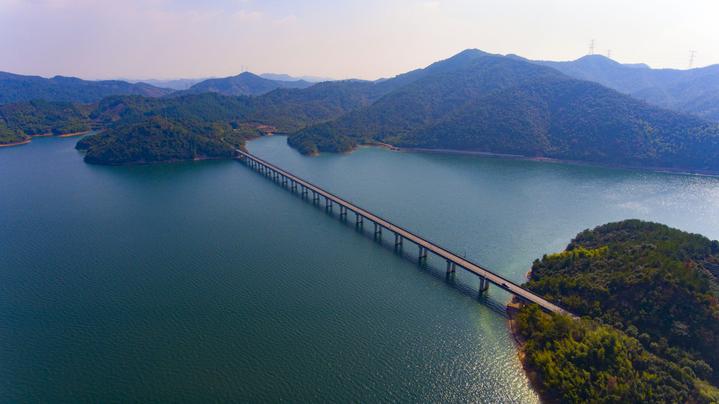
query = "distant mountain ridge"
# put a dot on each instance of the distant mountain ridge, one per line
(473, 101)
(19, 88)
(173, 84)
(243, 84)
(694, 91)
(287, 77)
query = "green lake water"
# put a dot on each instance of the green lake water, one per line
(205, 281)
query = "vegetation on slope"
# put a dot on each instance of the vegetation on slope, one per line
(651, 293)
(582, 361)
(135, 135)
(20, 121)
(159, 139)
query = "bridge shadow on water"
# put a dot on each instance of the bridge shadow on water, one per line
(460, 281)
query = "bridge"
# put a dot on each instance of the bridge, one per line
(424, 246)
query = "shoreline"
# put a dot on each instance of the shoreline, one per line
(73, 134)
(513, 306)
(16, 143)
(663, 170)
(147, 163)
(62, 135)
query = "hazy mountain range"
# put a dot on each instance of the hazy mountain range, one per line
(473, 101)
(286, 77)
(243, 84)
(172, 84)
(695, 90)
(16, 88)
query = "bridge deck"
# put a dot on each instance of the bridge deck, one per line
(498, 280)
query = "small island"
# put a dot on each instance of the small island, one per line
(648, 297)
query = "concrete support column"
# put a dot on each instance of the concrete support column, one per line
(397, 241)
(377, 231)
(483, 285)
(359, 220)
(422, 255)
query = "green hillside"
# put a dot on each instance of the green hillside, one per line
(650, 298)
(20, 121)
(209, 125)
(500, 104)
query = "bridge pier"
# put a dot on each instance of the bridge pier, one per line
(483, 285)
(315, 197)
(377, 231)
(451, 267)
(328, 204)
(359, 220)
(294, 186)
(422, 258)
(343, 212)
(284, 181)
(397, 241)
(304, 192)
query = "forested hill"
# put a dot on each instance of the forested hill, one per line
(694, 91)
(243, 84)
(17, 88)
(21, 120)
(489, 103)
(209, 125)
(650, 298)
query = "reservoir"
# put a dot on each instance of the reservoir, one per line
(206, 281)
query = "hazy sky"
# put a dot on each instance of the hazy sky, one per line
(340, 39)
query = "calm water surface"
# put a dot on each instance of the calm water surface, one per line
(204, 280)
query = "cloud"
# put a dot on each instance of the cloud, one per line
(290, 19)
(246, 15)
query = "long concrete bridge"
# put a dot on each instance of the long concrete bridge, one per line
(453, 261)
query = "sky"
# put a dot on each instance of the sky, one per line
(369, 39)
